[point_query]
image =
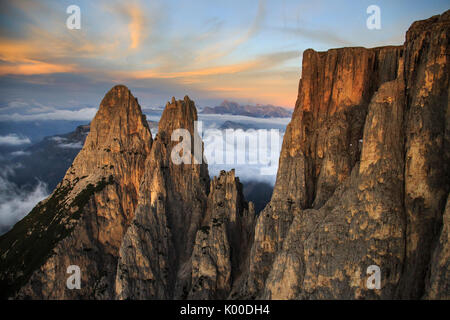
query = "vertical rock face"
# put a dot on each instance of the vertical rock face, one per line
(82, 223)
(359, 226)
(427, 158)
(323, 141)
(156, 248)
(438, 286)
(321, 144)
(363, 175)
(222, 243)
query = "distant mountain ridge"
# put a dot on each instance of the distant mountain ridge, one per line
(235, 126)
(258, 111)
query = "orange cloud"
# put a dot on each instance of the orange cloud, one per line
(31, 67)
(228, 69)
(13, 51)
(280, 92)
(258, 64)
(19, 56)
(263, 78)
(134, 16)
(136, 25)
(114, 55)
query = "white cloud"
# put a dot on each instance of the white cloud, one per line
(85, 114)
(16, 203)
(13, 140)
(58, 139)
(258, 160)
(263, 122)
(71, 145)
(20, 153)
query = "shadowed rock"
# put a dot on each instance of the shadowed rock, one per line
(157, 246)
(83, 221)
(222, 243)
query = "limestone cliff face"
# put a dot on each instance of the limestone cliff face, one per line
(329, 249)
(83, 221)
(222, 243)
(427, 149)
(156, 248)
(438, 285)
(323, 141)
(363, 175)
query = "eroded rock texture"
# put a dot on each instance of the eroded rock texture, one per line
(363, 175)
(438, 286)
(183, 243)
(129, 215)
(156, 248)
(83, 221)
(427, 150)
(222, 243)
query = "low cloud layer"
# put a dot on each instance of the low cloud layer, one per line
(71, 145)
(84, 114)
(245, 151)
(16, 203)
(13, 140)
(65, 144)
(20, 153)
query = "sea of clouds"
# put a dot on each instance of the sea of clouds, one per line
(260, 159)
(215, 141)
(15, 202)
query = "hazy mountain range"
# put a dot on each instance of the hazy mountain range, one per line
(259, 111)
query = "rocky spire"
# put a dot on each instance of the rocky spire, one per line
(179, 114)
(222, 243)
(171, 207)
(83, 221)
(118, 144)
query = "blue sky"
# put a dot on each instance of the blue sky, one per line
(248, 51)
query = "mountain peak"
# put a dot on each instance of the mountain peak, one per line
(97, 198)
(119, 118)
(119, 96)
(119, 128)
(178, 114)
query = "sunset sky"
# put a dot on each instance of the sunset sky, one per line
(247, 51)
